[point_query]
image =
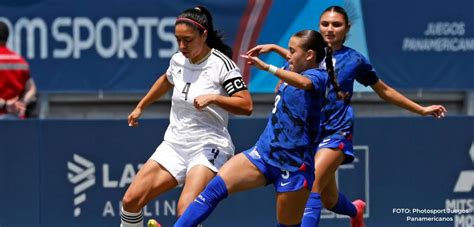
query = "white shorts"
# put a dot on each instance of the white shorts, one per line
(178, 160)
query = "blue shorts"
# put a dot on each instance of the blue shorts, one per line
(340, 141)
(283, 180)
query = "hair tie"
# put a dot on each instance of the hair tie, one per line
(192, 21)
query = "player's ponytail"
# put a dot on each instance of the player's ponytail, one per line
(332, 74)
(201, 19)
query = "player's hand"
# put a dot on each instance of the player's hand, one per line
(133, 117)
(260, 49)
(201, 101)
(252, 60)
(437, 111)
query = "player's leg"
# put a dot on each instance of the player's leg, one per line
(290, 207)
(197, 179)
(151, 180)
(326, 162)
(292, 189)
(163, 171)
(335, 201)
(236, 175)
(202, 166)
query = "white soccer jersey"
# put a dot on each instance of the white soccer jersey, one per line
(188, 126)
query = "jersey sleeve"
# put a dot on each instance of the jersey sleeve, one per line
(169, 71)
(232, 81)
(318, 79)
(365, 73)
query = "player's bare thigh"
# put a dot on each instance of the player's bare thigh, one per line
(239, 174)
(151, 180)
(196, 180)
(291, 205)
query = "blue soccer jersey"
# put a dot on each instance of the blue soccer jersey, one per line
(293, 125)
(337, 114)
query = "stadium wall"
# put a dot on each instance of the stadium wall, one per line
(74, 173)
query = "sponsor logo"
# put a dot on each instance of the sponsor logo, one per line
(463, 207)
(254, 154)
(324, 142)
(33, 36)
(465, 180)
(82, 175)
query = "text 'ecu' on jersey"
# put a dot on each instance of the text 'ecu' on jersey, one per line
(293, 125)
(189, 126)
(350, 65)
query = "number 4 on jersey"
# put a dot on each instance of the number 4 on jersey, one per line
(186, 90)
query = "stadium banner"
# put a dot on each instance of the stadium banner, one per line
(110, 45)
(411, 172)
(123, 46)
(421, 44)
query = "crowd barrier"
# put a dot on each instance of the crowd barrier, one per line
(411, 172)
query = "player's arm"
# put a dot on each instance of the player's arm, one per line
(266, 48)
(291, 78)
(389, 94)
(238, 101)
(159, 88)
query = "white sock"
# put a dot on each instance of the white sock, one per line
(129, 219)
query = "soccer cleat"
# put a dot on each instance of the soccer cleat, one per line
(153, 223)
(358, 220)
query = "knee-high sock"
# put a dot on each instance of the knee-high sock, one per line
(344, 206)
(312, 212)
(130, 219)
(204, 204)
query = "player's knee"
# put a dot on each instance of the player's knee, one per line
(317, 187)
(181, 207)
(131, 202)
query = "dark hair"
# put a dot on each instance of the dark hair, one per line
(3, 32)
(203, 18)
(332, 74)
(339, 10)
(312, 40)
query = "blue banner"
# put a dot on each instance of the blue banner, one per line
(88, 45)
(410, 171)
(124, 45)
(422, 44)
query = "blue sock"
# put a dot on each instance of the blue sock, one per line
(312, 212)
(204, 204)
(344, 206)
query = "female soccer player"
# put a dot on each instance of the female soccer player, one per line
(282, 155)
(335, 147)
(206, 85)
